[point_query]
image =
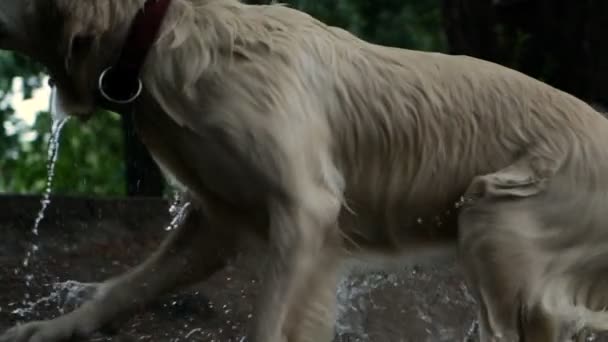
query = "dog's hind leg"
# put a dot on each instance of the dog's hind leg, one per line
(193, 251)
(500, 260)
(577, 295)
(497, 269)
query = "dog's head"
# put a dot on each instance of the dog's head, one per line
(74, 39)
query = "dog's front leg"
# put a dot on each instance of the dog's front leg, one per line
(194, 251)
(298, 232)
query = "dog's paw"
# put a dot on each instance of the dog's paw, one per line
(37, 332)
(72, 295)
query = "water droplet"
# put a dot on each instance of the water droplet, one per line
(193, 331)
(177, 210)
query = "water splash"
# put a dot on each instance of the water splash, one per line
(591, 336)
(355, 302)
(64, 296)
(472, 332)
(175, 204)
(177, 210)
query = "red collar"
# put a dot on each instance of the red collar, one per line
(120, 83)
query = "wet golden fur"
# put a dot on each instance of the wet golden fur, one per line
(327, 147)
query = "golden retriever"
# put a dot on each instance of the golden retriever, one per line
(327, 147)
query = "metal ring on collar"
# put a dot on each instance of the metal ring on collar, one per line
(110, 98)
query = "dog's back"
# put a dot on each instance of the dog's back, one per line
(410, 130)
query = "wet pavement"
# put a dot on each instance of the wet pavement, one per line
(88, 240)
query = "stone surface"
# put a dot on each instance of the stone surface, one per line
(88, 240)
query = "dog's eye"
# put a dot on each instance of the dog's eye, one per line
(79, 48)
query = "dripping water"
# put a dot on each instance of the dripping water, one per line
(52, 160)
(177, 210)
(59, 120)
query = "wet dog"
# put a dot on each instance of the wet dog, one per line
(326, 147)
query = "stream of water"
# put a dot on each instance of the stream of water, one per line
(53, 152)
(59, 120)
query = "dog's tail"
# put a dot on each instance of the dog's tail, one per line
(569, 300)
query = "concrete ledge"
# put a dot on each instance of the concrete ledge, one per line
(90, 239)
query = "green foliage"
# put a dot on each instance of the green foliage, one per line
(413, 24)
(90, 158)
(11, 66)
(91, 154)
